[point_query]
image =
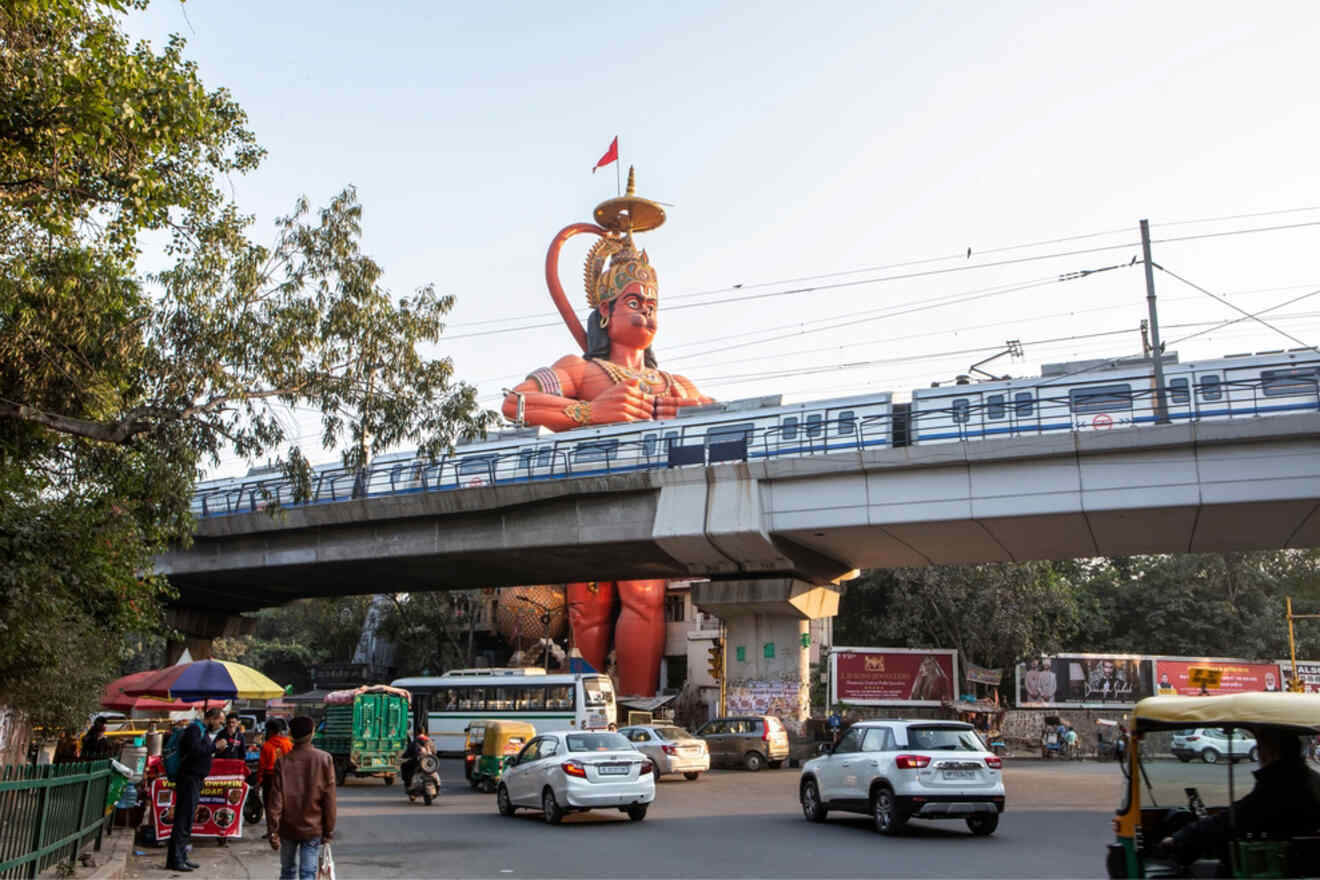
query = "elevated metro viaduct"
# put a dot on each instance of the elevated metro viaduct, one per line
(795, 523)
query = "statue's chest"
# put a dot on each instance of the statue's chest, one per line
(602, 375)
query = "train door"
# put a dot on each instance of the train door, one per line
(787, 436)
(842, 429)
(1023, 411)
(1211, 395)
(1178, 397)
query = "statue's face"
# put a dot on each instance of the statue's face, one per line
(634, 321)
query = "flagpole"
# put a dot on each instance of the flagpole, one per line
(618, 187)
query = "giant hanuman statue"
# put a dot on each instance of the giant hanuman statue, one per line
(615, 379)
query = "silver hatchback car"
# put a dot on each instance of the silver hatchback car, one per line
(671, 749)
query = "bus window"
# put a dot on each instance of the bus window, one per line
(501, 699)
(788, 428)
(1025, 403)
(845, 423)
(1284, 383)
(962, 409)
(597, 691)
(1101, 398)
(815, 425)
(530, 698)
(1179, 391)
(559, 696)
(994, 406)
(1210, 388)
(471, 699)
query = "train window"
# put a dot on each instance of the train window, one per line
(649, 442)
(815, 425)
(595, 450)
(994, 406)
(1210, 389)
(1024, 404)
(1179, 391)
(730, 433)
(1282, 383)
(478, 464)
(544, 456)
(788, 428)
(962, 409)
(1101, 398)
(845, 422)
(525, 458)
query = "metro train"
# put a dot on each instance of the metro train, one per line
(1081, 396)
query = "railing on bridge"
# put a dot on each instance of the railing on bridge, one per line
(973, 415)
(47, 812)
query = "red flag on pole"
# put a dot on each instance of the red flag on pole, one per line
(611, 155)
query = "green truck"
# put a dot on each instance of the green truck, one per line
(365, 730)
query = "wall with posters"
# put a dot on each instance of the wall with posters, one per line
(893, 676)
(1084, 680)
(1238, 676)
(1307, 670)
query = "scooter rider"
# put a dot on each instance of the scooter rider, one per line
(417, 746)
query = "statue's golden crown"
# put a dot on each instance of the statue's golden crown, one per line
(626, 267)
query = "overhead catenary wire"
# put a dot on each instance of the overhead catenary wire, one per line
(1220, 299)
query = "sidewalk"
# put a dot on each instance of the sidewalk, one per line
(250, 857)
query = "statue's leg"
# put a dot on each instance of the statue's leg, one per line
(590, 613)
(639, 636)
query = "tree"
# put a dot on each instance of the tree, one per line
(436, 630)
(115, 386)
(289, 640)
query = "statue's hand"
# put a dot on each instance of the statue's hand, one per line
(667, 407)
(621, 403)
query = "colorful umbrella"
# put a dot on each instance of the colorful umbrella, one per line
(113, 697)
(207, 680)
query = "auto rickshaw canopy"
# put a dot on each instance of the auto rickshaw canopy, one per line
(506, 737)
(1296, 712)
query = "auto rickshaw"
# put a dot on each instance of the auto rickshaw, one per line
(503, 741)
(1139, 828)
(474, 743)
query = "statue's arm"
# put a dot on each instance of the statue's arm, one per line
(552, 397)
(692, 397)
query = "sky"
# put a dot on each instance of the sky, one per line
(827, 168)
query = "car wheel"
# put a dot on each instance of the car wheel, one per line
(753, 761)
(655, 770)
(884, 811)
(812, 808)
(1184, 759)
(1253, 755)
(691, 775)
(983, 824)
(1210, 756)
(488, 785)
(775, 765)
(503, 802)
(554, 814)
(637, 812)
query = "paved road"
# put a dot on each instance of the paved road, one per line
(727, 824)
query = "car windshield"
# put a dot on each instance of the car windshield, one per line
(944, 739)
(673, 733)
(598, 691)
(598, 742)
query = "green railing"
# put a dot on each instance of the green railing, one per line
(47, 812)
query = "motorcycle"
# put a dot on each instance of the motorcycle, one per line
(425, 779)
(253, 808)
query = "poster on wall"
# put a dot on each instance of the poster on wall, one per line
(784, 699)
(1079, 680)
(1237, 676)
(1307, 670)
(893, 676)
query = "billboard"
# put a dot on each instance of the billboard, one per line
(1080, 680)
(893, 676)
(1237, 677)
(1307, 670)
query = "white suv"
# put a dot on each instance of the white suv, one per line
(1211, 744)
(900, 770)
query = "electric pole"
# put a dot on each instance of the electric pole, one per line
(1156, 350)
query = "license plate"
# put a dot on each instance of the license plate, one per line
(959, 774)
(613, 770)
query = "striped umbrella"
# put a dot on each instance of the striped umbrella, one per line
(207, 680)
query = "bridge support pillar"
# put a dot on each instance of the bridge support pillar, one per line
(767, 655)
(200, 628)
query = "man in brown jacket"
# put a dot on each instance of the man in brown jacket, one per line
(301, 812)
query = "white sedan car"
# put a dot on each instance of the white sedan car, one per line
(573, 771)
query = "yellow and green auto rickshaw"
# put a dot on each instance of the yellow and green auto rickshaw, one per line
(474, 742)
(502, 743)
(1241, 847)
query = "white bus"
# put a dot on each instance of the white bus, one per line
(548, 702)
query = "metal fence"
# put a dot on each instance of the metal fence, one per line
(47, 812)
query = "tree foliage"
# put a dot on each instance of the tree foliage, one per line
(116, 385)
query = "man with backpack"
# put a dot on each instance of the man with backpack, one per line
(190, 765)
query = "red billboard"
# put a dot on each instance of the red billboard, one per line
(893, 676)
(1171, 677)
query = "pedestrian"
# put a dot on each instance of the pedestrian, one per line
(277, 745)
(95, 744)
(235, 743)
(300, 814)
(196, 746)
(835, 724)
